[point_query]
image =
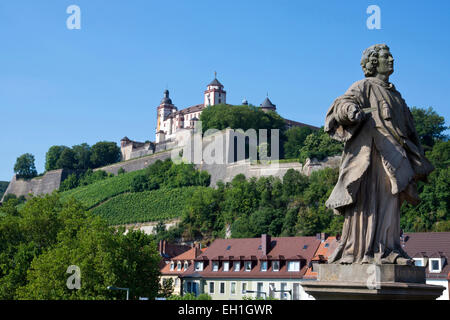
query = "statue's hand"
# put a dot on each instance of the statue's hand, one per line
(354, 114)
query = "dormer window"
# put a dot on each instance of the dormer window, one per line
(276, 265)
(179, 266)
(186, 265)
(172, 266)
(215, 266)
(294, 266)
(226, 266)
(237, 266)
(435, 265)
(199, 266)
(248, 266)
(418, 262)
(263, 265)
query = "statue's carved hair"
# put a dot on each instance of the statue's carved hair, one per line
(369, 60)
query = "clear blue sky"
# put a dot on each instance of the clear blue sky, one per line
(103, 82)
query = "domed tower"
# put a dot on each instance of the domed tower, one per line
(163, 125)
(267, 105)
(214, 93)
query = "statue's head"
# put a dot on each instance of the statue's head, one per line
(377, 59)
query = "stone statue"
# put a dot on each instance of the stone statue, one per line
(381, 163)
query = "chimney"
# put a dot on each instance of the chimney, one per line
(197, 247)
(323, 236)
(265, 243)
(163, 247)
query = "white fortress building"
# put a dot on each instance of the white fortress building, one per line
(173, 125)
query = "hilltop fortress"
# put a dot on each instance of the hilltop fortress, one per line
(174, 130)
(174, 127)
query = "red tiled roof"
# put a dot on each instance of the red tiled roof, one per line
(282, 249)
(429, 245)
(325, 249)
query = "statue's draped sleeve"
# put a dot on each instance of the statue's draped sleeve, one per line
(337, 124)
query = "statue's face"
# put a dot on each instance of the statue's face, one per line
(385, 63)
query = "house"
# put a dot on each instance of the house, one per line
(430, 250)
(326, 248)
(167, 251)
(179, 265)
(265, 267)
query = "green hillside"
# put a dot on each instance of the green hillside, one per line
(145, 206)
(156, 193)
(93, 194)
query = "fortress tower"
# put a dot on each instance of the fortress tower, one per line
(164, 109)
(214, 93)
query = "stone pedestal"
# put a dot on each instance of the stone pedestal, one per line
(371, 282)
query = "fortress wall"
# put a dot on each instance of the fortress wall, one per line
(37, 186)
(135, 164)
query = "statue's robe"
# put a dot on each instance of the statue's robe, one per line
(381, 162)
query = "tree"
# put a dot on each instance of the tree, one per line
(166, 288)
(66, 159)
(319, 145)
(295, 138)
(52, 157)
(104, 153)
(82, 154)
(429, 125)
(24, 167)
(39, 243)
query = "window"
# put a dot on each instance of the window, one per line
(296, 292)
(178, 266)
(176, 281)
(233, 288)
(272, 290)
(263, 265)
(418, 262)
(248, 266)
(226, 266)
(435, 265)
(188, 286)
(222, 287)
(259, 289)
(283, 295)
(327, 245)
(172, 266)
(276, 265)
(294, 266)
(211, 287)
(237, 266)
(199, 266)
(186, 265)
(215, 266)
(244, 287)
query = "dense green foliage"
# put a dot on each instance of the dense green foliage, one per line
(319, 145)
(95, 193)
(240, 117)
(128, 197)
(162, 204)
(82, 156)
(40, 241)
(83, 178)
(433, 212)
(295, 140)
(265, 205)
(3, 187)
(429, 125)
(104, 153)
(25, 167)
